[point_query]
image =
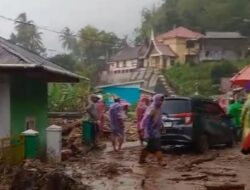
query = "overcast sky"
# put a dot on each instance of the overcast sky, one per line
(119, 16)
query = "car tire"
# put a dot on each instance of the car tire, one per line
(202, 144)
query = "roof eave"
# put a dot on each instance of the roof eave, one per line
(69, 77)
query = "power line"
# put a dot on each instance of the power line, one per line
(53, 31)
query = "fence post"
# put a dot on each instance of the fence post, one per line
(30, 144)
(54, 143)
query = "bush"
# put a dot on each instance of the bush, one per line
(224, 69)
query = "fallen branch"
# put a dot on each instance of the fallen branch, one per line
(191, 177)
(224, 186)
(217, 173)
(202, 160)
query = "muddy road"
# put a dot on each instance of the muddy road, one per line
(185, 170)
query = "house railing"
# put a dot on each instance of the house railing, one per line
(12, 150)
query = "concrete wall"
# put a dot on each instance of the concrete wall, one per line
(4, 107)
(29, 101)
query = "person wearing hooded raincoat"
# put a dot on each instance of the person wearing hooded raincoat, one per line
(245, 118)
(140, 111)
(116, 114)
(152, 123)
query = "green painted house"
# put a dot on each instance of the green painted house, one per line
(24, 77)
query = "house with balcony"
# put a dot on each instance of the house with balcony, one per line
(217, 46)
(184, 42)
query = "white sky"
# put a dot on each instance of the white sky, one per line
(118, 16)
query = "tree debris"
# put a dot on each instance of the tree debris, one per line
(225, 186)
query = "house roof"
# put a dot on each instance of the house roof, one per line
(180, 32)
(121, 84)
(165, 50)
(16, 58)
(161, 49)
(147, 78)
(223, 35)
(128, 53)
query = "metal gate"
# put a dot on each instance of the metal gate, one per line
(12, 150)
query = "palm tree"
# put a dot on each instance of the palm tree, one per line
(68, 39)
(27, 35)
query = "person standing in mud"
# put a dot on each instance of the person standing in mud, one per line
(116, 114)
(151, 123)
(140, 111)
(101, 112)
(92, 112)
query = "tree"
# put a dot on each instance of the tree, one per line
(27, 35)
(96, 44)
(200, 15)
(64, 60)
(68, 39)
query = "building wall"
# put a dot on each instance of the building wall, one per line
(130, 93)
(29, 101)
(179, 46)
(123, 65)
(4, 107)
(218, 49)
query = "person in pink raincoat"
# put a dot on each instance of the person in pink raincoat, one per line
(140, 110)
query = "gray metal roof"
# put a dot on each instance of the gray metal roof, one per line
(16, 57)
(129, 53)
(223, 35)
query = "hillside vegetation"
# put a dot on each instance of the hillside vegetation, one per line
(187, 79)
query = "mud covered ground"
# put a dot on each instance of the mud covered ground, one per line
(185, 170)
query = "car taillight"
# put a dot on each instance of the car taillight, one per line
(188, 117)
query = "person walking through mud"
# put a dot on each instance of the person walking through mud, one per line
(92, 112)
(140, 111)
(152, 124)
(116, 114)
(234, 110)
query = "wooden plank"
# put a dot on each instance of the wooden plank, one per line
(76, 115)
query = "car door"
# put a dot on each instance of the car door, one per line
(217, 126)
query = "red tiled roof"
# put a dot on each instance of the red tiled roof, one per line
(180, 32)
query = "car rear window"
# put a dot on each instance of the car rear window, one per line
(176, 106)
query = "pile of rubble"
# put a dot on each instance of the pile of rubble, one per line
(72, 146)
(40, 176)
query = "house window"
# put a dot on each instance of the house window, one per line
(190, 44)
(207, 53)
(124, 64)
(30, 123)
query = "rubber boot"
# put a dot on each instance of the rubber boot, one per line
(143, 156)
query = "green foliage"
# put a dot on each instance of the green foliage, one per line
(67, 97)
(64, 60)
(224, 69)
(200, 15)
(188, 78)
(91, 45)
(27, 35)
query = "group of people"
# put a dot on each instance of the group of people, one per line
(96, 109)
(148, 114)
